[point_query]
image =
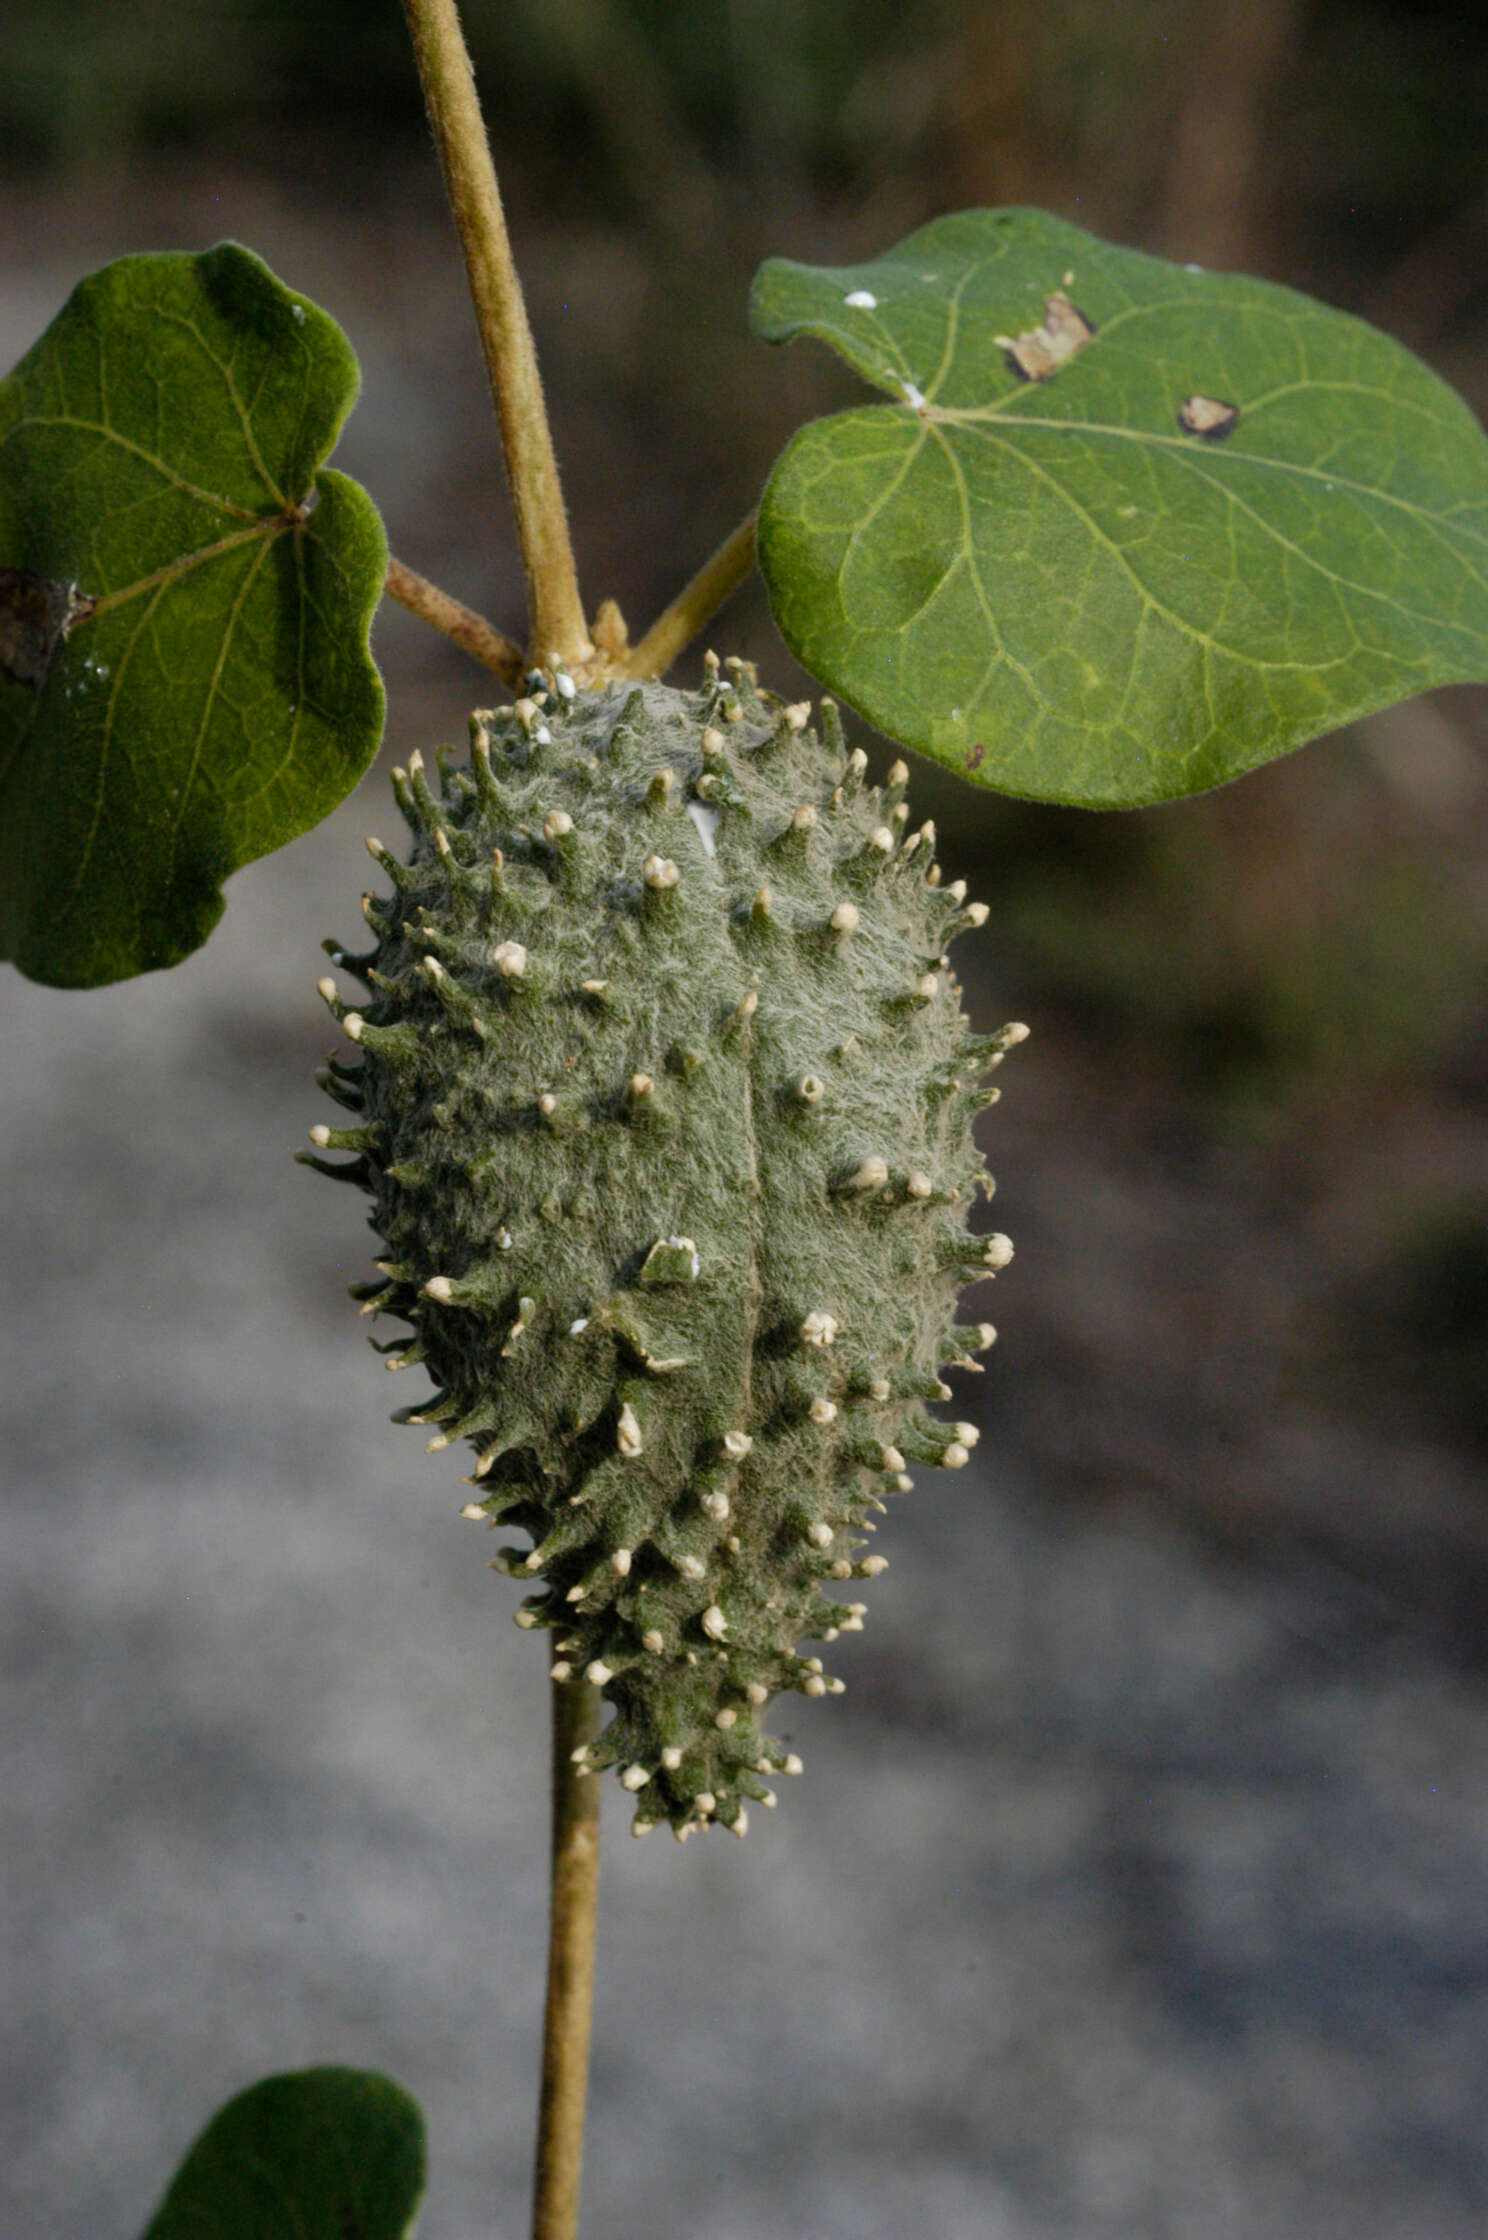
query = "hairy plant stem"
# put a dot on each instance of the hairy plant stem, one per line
(575, 1887)
(714, 582)
(469, 630)
(554, 606)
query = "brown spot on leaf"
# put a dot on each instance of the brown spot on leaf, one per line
(974, 757)
(1207, 416)
(36, 614)
(1043, 349)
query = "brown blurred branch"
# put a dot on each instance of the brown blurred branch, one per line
(669, 173)
(1441, 271)
(1209, 207)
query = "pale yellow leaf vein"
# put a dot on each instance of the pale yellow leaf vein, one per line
(126, 443)
(245, 421)
(1143, 590)
(188, 778)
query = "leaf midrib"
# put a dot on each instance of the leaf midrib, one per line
(263, 531)
(976, 419)
(1267, 530)
(931, 423)
(101, 429)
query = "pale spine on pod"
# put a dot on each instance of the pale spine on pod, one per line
(666, 1123)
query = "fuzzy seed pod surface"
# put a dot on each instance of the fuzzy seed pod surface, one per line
(663, 1096)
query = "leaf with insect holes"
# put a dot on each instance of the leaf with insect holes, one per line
(1128, 528)
(185, 597)
(319, 2154)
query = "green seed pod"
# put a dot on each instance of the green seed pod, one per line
(664, 1106)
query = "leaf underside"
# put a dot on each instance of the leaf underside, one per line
(1129, 528)
(185, 597)
(319, 2154)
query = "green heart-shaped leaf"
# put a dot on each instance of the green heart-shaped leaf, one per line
(185, 597)
(1130, 528)
(321, 2154)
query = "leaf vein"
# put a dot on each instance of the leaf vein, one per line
(126, 443)
(1143, 591)
(245, 422)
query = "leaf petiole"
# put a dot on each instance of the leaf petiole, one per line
(716, 580)
(469, 630)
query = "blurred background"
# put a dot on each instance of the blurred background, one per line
(1139, 1884)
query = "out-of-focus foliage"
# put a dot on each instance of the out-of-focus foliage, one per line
(85, 77)
(1366, 112)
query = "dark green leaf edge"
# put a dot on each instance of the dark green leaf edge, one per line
(314, 2154)
(57, 931)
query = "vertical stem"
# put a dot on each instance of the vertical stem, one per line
(565, 2069)
(558, 630)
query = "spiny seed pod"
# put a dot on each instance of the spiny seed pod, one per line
(664, 1103)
